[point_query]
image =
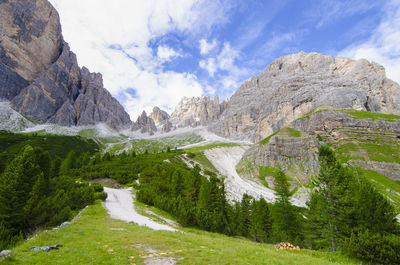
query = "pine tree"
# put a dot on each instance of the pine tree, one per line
(35, 209)
(55, 167)
(15, 187)
(85, 159)
(244, 216)
(69, 162)
(332, 207)
(260, 221)
(374, 211)
(286, 223)
(204, 204)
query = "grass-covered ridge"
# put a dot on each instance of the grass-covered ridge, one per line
(369, 151)
(210, 146)
(153, 145)
(361, 114)
(283, 132)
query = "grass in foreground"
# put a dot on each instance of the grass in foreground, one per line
(90, 240)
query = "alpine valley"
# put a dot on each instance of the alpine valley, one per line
(307, 152)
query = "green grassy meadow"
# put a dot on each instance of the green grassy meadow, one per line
(95, 238)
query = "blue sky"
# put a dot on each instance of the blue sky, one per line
(154, 52)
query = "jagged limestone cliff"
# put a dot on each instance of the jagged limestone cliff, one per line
(40, 75)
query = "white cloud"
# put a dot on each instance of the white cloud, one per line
(170, 87)
(224, 66)
(330, 11)
(209, 65)
(227, 58)
(112, 37)
(383, 45)
(210, 90)
(166, 53)
(207, 47)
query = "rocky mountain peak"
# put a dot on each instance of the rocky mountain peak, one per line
(40, 75)
(145, 124)
(196, 111)
(159, 116)
(293, 85)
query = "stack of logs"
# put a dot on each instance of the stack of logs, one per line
(287, 245)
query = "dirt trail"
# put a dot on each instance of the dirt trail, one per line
(119, 205)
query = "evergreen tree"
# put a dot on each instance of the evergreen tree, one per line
(3, 161)
(244, 216)
(85, 159)
(15, 187)
(324, 203)
(55, 167)
(374, 211)
(287, 224)
(260, 221)
(69, 163)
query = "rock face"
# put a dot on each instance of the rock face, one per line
(145, 124)
(159, 116)
(40, 75)
(293, 85)
(196, 111)
(298, 156)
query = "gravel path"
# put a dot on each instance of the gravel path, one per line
(119, 205)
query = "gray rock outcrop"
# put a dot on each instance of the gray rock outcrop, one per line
(298, 156)
(293, 85)
(196, 111)
(40, 75)
(145, 124)
(159, 116)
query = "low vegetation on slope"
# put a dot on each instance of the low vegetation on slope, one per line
(117, 145)
(56, 145)
(283, 132)
(35, 192)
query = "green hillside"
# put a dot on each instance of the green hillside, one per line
(95, 238)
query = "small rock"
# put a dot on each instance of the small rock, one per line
(5, 253)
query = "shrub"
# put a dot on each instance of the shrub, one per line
(379, 248)
(101, 196)
(97, 187)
